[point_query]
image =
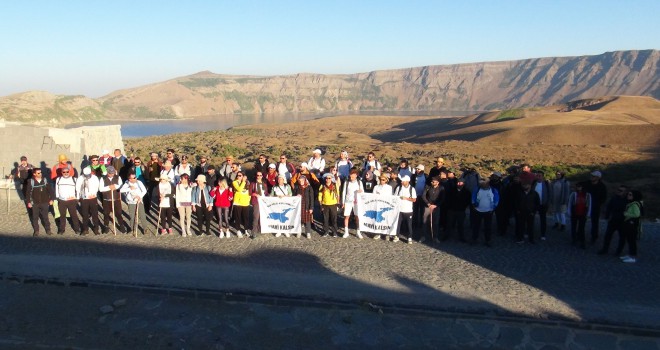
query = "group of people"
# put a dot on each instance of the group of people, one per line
(434, 206)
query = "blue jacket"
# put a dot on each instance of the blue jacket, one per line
(196, 197)
(493, 204)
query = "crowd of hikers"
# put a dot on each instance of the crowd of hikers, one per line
(435, 206)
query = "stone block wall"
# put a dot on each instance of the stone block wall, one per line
(43, 145)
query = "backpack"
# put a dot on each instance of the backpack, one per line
(397, 190)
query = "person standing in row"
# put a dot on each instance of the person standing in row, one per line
(202, 205)
(88, 187)
(614, 214)
(631, 228)
(526, 205)
(184, 204)
(112, 200)
(154, 166)
(261, 166)
(282, 189)
(352, 188)
(258, 188)
(579, 209)
(561, 189)
(408, 196)
(458, 200)
(39, 197)
(22, 174)
(165, 195)
(134, 192)
(67, 200)
(329, 199)
(542, 188)
(222, 198)
(304, 190)
(596, 188)
(484, 202)
(241, 204)
(432, 198)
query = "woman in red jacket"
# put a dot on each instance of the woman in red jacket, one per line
(222, 197)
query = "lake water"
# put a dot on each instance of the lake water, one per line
(131, 129)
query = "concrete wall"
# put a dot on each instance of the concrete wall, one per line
(43, 145)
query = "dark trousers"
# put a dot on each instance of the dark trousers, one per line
(629, 229)
(89, 209)
(256, 225)
(407, 217)
(40, 211)
(431, 220)
(71, 206)
(543, 213)
(455, 218)
(487, 218)
(203, 218)
(577, 228)
(525, 226)
(241, 216)
(613, 226)
(165, 218)
(330, 216)
(502, 216)
(107, 212)
(419, 208)
(595, 222)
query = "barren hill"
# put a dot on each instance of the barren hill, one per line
(458, 87)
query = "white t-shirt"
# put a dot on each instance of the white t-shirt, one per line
(406, 206)
(383, 189)
(351, 191)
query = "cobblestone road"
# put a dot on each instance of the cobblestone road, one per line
(548, 280)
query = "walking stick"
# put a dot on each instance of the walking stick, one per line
(112, 207)
(158, 224)
(432, 226)
(135, 222)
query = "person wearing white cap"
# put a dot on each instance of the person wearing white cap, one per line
(67, 200)
(111, 200)
(343, 165)
(106, 158)
(419, 180)
(88, 187)
(134, 192)
(271, 175)
(352, 188)
(598, 191)
(408, 196)
(316, 163)
(165, 195)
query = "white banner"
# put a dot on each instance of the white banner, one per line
(279, 214)
(378, 213)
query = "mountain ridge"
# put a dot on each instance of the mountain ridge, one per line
(476, 86)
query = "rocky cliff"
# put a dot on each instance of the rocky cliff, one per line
(459, 87)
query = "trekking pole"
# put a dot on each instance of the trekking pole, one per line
(432, 226)
(112, 208)
(135, 222)
(158, 224)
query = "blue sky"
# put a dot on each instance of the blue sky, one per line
(95, 47)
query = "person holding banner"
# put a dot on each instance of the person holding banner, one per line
(305, 191)
(408, 196)
(384, 189)
(351, 188)
(282, 189)
(329, 199)
(257, 189)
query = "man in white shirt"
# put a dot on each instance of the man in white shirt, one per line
(88, 187)
(316, 163)
(351, 189)
(134, 192)
(383, 189)
(67, 200)
(408, 196)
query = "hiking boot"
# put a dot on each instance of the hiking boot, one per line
(35, 234)
(421, 240)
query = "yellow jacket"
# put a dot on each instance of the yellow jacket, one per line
(241, 193)
(328, 197)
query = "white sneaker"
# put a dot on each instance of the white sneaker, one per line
(376, 237)
(395, 239)
(278, 234)
(308, 235)
(228, 234)
(410, 240)
(345, 235)
(239, 234)
(183, 234)
(630, 259)
(359, 235)
(624, 257)
(222, 234)
(298, 235)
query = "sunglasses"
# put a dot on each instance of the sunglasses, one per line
(95, 160)
(239, 175)
(260, 176)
